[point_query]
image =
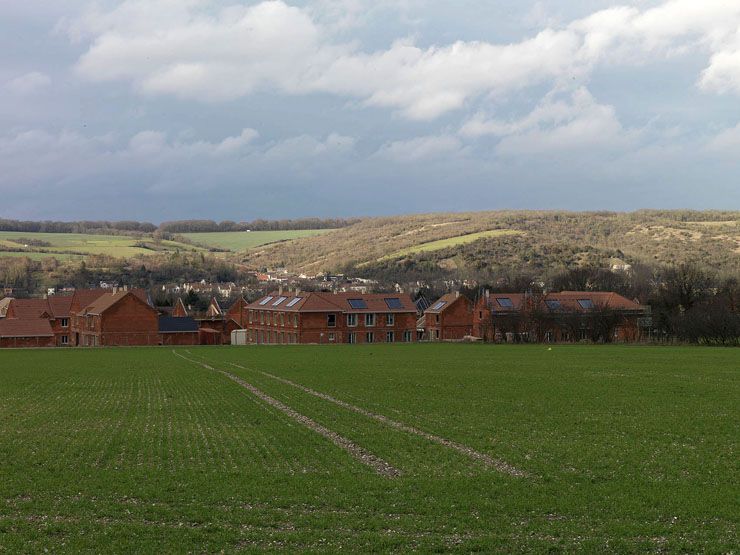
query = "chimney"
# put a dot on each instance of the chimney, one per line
(457, 294)
(115, 290)
(297, 291)
(125, 287)
(488, 293)
(280, 290)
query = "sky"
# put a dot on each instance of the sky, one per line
(176, 109)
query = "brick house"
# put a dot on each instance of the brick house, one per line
(216, 327)
(54, 309)
(556, 317)
(119, 318)
(330, 318)
(450, 318)
(20, 333)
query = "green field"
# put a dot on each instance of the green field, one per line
(622, 449)
(244, 240)
(451, 242)
(81, 244)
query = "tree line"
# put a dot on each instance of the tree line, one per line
(86, 226)
(211, 226)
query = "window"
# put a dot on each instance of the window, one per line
(369, 337)
(439, 305)
(553, 305)
(351, 320)
(407, 336)
(274, 318)
(390, 319)
(279, 301)
(582, 334)
(586, 304)
(331, 320)
(548, 337)
(357, 304)
(394, 304)
(390, 337)
(332, 337)
(266, 300)
(369, 320)
(352, 338)
(505, 302)
(65, 322)
(295, 320)
(294, 301)
(251, 313)
(262, 317)
(65, 340)
(282, 319)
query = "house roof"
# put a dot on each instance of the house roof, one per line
(30, 309)
(60, 305)
(15, 327)
(565, 301)
(214, 309)
(84, 297)
(334, 302)
(177, 324)
(444, 302)
(106, 301)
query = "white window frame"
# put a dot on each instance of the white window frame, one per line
(370, 319)
(390, 319)
(390, 337)
(352, 320)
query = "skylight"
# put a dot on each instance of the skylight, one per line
(553, 305)
(294, 301)
(586, 303)
(439, 305)
(393, 303)
(357, 304)
(279, 301)
(505, 302)
(266, 300)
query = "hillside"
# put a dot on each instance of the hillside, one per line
(483, 243)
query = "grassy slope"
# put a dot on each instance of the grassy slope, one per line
(632, 449)
(451, 242)
(543, 240)
(239, 241)
(111, 245)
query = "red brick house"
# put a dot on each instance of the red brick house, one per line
(555, 317)
(54, 309)
(450, 318)
(21, 333)
(330, 318)
(119, 318)
(216, 327)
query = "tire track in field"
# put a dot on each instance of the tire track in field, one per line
(497, 464)
(364, 456)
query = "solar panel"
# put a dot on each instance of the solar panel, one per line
(279, 301)
(266, 300)
(586, 303)
(393, 303)
(439, 305)
(553, 305)
(505, 302)
(294, 302)
(357, 304)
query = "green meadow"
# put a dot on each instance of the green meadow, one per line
(75, 245)
(617, 449)
(245, 240)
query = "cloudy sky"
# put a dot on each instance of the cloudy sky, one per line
(171, 109)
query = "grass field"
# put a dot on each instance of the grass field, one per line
(623, 449)
(244, 240)
(61, 244)
(451, 242)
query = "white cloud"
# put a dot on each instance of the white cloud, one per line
(202, 50)
(420, 148)
(29, 83)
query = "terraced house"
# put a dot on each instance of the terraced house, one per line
(329, 318)
(566, 316)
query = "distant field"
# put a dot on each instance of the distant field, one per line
(61, 244)
(244, 240)
(452, 242)
(623, 449)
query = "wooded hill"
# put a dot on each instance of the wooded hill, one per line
(482, 244)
